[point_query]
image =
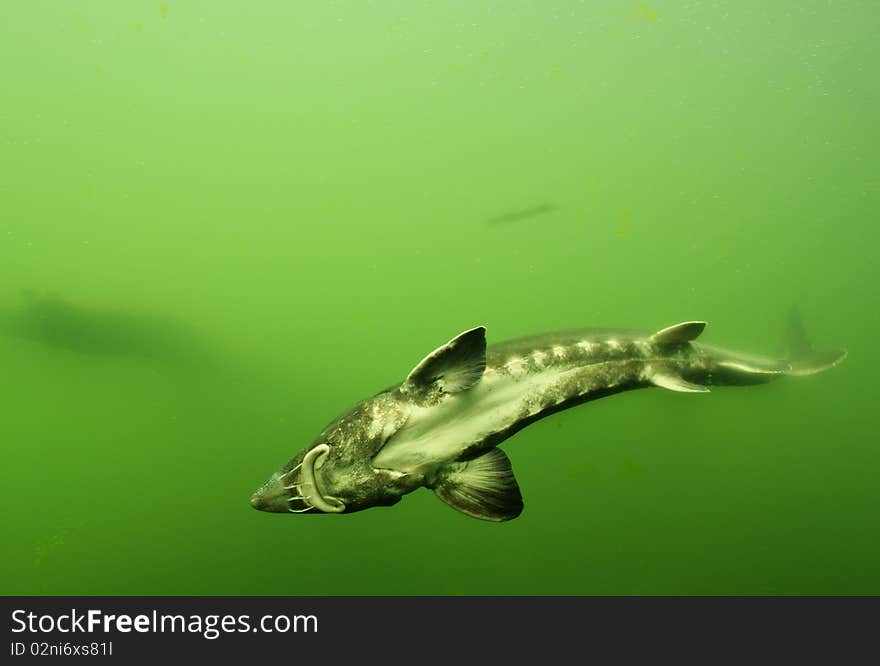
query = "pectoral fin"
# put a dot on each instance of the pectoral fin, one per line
(669, 379)
(456, 366)
(483, 488)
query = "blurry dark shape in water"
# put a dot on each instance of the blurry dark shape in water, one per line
(53, 321)
(440, 428)
(524, 214)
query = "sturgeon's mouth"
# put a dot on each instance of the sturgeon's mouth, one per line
(306, 493)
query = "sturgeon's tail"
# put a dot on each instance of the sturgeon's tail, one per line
(801, 357)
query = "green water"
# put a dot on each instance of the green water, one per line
(223, 223)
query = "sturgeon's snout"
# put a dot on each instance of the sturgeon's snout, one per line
(275, 495)
(271, 496)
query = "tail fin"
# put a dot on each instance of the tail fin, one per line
(802, 358)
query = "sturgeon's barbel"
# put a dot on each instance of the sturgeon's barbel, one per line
(440, 427)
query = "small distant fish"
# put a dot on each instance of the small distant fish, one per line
(524, 214)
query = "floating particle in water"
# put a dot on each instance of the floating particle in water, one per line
(485, 55)
(137, 26)
(641, 12)
(83, 23)
(631, 469)
(623, 224)
(46, 546)
(45, 552)
(872, 186)
(397, 24)
(163, 10)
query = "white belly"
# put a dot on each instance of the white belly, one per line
(435, 435)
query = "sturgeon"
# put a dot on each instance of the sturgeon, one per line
(440, 428)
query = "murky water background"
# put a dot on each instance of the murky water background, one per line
(221, 224)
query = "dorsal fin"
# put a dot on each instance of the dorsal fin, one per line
(678, 334)
(455, 366)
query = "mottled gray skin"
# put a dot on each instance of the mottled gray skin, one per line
(556, 372)
(347, 472)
